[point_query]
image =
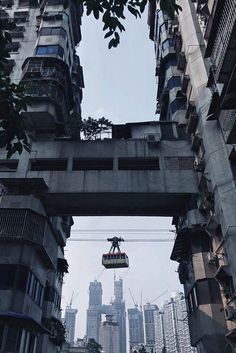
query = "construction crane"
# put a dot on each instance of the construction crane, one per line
(135, 304)
(160, 295)
(72, 299)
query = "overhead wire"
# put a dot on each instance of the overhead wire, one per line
(160, 240)
(126, 230)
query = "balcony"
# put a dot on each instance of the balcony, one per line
(47, 70)
(19, 225)
(21, 16)
(49, 107)
(8, 67)
(4, 15)
(18, 32)
(221, 42)
(227, 120)
(7, 3)
(181, 64)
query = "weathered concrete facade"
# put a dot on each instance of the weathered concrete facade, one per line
(117, 176)
(32, 243)
(182, 166)
(195, 55)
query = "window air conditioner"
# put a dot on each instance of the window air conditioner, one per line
(153, 138)
(230, 313)
(212, 258)
(199, 165)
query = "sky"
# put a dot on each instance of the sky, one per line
(120, 84)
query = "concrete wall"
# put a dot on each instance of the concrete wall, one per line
(163, 191)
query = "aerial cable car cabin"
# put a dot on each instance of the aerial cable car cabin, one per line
(115, 259)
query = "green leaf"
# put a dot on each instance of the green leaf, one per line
(108, 34)
(27, 148)
(177, 8)
(96, 13)
(133, 11)
(143, 5)
(117, 37)
(111, 43)
(120, 26)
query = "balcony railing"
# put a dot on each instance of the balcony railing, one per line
(47, 90)
(19, 225)
(224, 35)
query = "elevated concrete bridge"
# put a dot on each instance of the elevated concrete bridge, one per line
(139, 175)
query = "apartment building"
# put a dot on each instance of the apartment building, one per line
(195, 67)
(42, 55)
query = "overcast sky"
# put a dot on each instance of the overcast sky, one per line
(120, 85)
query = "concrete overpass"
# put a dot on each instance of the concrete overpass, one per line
(140, 175)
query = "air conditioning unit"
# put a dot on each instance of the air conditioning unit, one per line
(230, 313)
(212, 258)
(153, 138)
(199, 165)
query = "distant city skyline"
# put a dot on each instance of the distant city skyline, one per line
(150, 274)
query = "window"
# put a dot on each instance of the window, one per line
(58, 164)
(177, 104)
(21, 279)
(92, 164)
(1, 334)
(21, 16)
(18, 32)
(53, 31)
(13, 47)
(13, 339)
(179, 163)
(8, 274)
(170, 62)
(8, 165)
(50, 50)
(7, 69)
(49, 294)
(138, 163)
(165, 44)
(163, 27)
(175, 81)
(28, 342)
(7, 3)
(35, 289)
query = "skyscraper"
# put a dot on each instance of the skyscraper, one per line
(119, 306)
(136, 330)
(94, 312)
(117, 309)
(109, 335)
(149, 310)
(95, 294)
(159, 331)
(70, 317)
(171, 327)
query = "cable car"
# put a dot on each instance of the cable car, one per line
(115, 259)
